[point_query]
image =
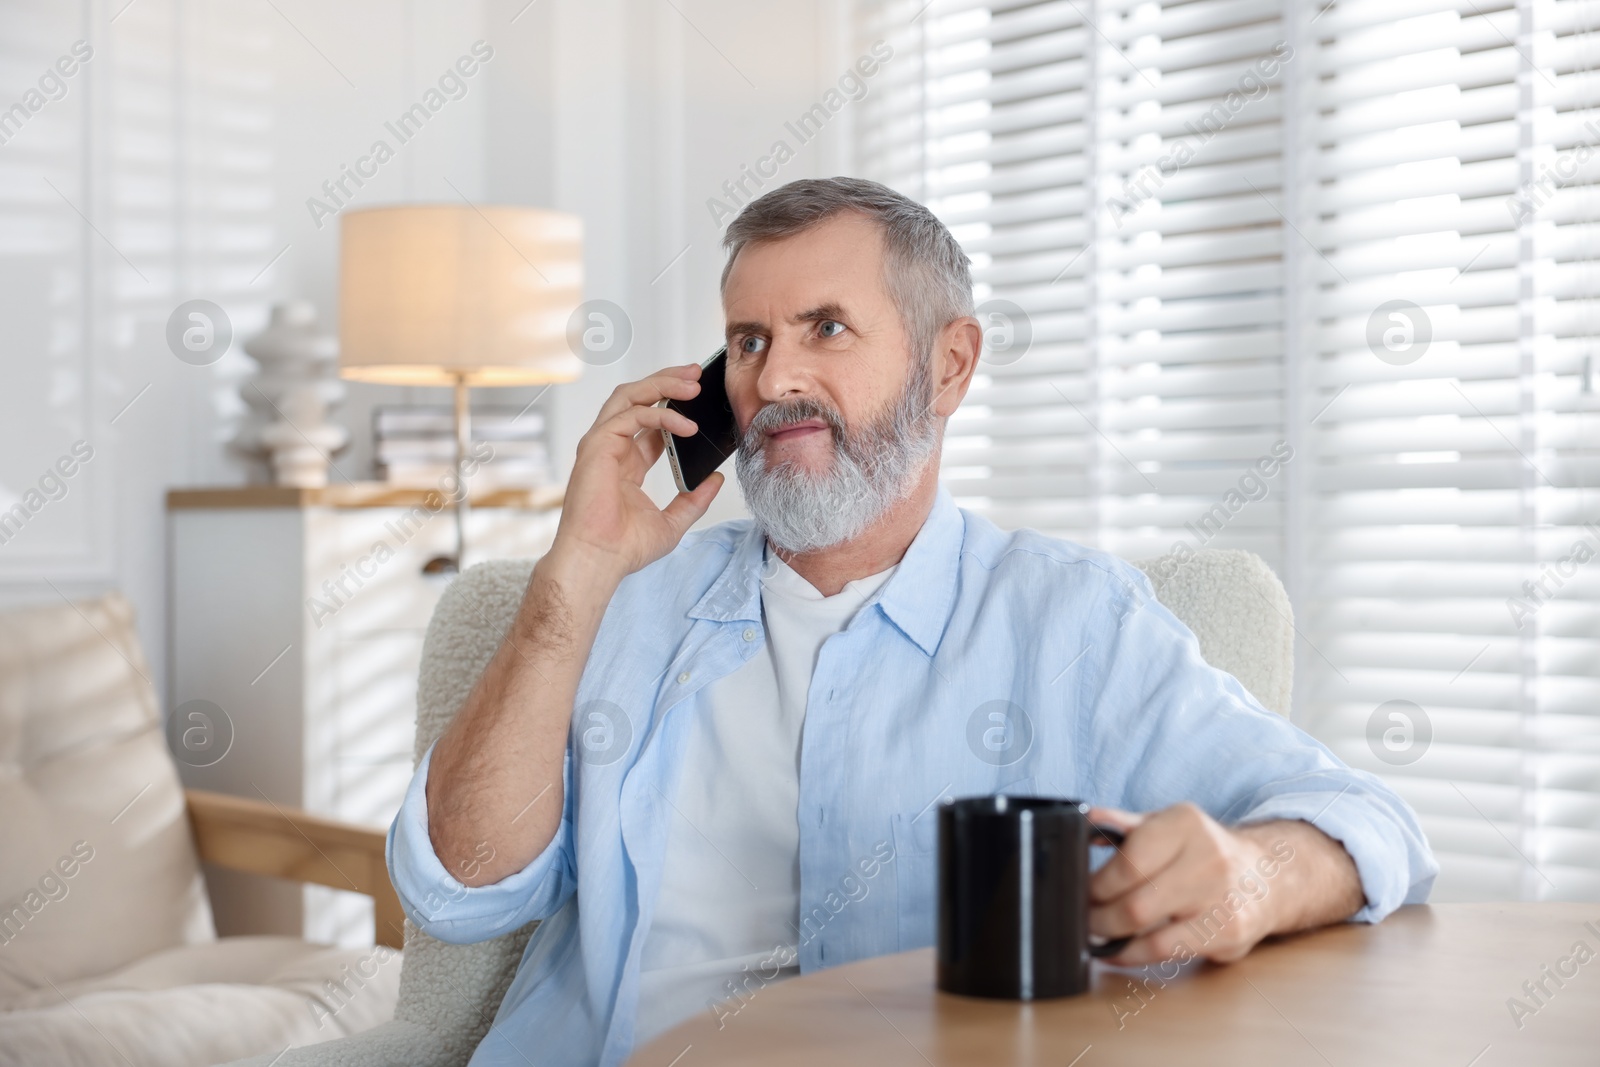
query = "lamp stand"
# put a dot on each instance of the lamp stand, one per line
(463, 423)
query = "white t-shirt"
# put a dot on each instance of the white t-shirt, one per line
(730, 884)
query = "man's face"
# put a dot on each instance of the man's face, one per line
(808, 317)
(833, 409)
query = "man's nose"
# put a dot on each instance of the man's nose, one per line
(786, 372)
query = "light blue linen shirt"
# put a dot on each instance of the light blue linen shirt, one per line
(989, 661)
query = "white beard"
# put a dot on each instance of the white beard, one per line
(801, 511)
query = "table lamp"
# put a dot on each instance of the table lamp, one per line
(458, 295)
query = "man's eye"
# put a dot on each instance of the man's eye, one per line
(823, 329)
(752, 345)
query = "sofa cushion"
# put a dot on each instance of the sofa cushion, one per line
(197, 1005)
(97, 865)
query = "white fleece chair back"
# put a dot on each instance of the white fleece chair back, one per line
(457, 988)
(1240, 612)
(449, 993)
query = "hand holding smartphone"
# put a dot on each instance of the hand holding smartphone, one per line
(694, 458)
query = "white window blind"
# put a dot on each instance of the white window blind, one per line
(1136, 183)
(1448, 474)
(1150, 378)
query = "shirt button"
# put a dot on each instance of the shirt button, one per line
(749, 634)
(683, 678)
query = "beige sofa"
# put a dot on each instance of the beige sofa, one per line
(108, 955)
(449, 993)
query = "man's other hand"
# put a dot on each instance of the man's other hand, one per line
(1183, 885)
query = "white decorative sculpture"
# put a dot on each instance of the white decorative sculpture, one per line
(291, 398)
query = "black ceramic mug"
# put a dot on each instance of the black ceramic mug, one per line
(1014, 896)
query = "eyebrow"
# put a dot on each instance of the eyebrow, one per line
(820, 313)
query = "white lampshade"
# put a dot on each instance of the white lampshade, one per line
(429, 293)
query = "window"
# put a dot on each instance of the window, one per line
(1358, 237)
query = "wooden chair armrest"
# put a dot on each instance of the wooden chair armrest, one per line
(259, 837)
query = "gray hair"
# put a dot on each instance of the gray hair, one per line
(926, 273)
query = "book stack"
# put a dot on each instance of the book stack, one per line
(416, 446)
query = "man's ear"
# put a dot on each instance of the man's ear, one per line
(955, 356)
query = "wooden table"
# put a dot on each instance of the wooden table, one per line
(1429, 985)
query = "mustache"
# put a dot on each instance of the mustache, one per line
(776, 416)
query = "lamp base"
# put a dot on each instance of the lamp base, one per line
(463, 421)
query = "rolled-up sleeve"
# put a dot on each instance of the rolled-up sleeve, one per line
(1376, 828)
(1163, 726)
(443, 907)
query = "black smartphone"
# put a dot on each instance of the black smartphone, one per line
(694, 458)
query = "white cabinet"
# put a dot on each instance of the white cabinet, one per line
(297, 616)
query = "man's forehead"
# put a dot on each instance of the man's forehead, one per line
(830, 263)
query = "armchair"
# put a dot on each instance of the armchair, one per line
(108, 954)
(449, 993)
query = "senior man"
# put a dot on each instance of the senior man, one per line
(709, 760)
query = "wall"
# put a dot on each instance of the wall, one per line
(656, 105)
(177, 166)
(178, 163)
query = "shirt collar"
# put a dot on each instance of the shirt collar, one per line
(917, 598)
